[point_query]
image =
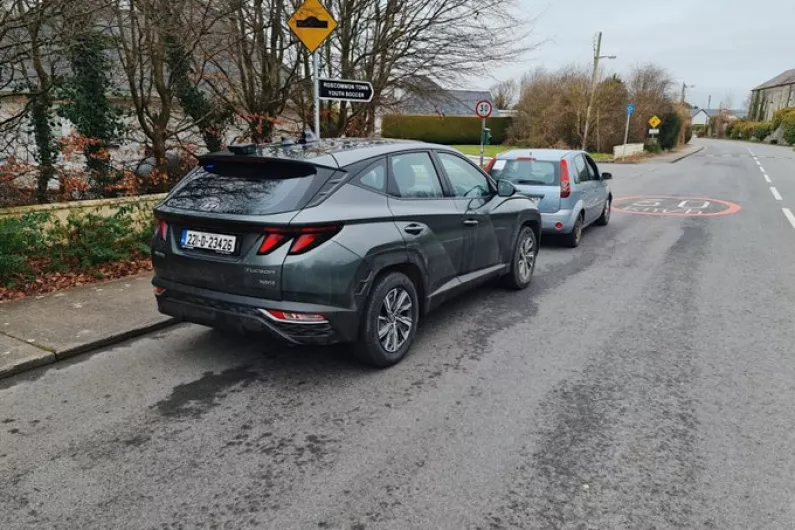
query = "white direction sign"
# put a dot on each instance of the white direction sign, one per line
(484, 108)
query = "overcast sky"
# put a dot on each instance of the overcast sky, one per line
(724, 47)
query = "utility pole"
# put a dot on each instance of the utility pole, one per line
(685, 86)
(594, 80)
(709, 102)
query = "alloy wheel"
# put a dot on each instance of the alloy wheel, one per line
(395, 319)
(527, 258)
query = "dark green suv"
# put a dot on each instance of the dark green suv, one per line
(337, 241)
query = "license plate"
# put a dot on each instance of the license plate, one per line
(220, 243)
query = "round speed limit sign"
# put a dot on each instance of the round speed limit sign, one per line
(483, 108)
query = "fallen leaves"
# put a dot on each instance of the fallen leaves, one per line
(57, 281)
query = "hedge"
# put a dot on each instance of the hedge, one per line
(451, 130)
(778, 117)
(788, 124)
(749, 130)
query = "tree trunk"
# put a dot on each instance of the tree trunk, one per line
(45, 144)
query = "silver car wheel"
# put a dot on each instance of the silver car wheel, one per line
(395, 319)
(608, 209)
(527, 258)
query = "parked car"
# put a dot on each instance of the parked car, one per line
(337, 241)
(574, 192)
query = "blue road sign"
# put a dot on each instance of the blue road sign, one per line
(630, 109)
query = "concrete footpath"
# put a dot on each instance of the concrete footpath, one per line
(41, 330)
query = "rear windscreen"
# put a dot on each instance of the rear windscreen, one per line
(530, 172)
(243, 193)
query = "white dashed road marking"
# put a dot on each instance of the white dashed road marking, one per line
(761, 169)
(789, 216)
(776, 194)
(767, 179)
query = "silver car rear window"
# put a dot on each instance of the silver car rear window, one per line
(531, 172)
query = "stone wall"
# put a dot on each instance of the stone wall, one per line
(105, 207)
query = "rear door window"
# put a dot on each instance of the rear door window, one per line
(593, 171)
(415, 176)
(581, 169)
(529, 172)
(244, 190)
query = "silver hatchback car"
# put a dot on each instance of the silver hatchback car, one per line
(573, 192)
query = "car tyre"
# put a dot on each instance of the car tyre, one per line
(389, 322)
(523, 263)
(572, 239)
(605, 217)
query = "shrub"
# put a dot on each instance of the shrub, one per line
(688, 134)
(21, 238)
(652, 146)
(730, 129)
(669, 130)
(451, 130)
(788, 124)
(762, 130)
(38, 243)
(778, 117)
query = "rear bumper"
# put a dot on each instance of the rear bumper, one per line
(565, 217)
(242, 313)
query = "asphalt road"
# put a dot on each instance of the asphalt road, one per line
(645, 381)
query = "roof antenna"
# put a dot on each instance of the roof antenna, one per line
(308, 137)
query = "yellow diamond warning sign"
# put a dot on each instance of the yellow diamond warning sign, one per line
(654, 122)
(312, 24)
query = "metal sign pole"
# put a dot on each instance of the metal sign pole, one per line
(482, 134)
(626, 137)
(316, 91)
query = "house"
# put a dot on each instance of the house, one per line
(730, 114)
(699, 117)
(430, 99)
(773, 95)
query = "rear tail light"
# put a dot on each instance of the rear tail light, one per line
(303, 239)
(271, 242)
(161, 229)
(565, 180)
(491, 164)
(295, 318)
(158, 290)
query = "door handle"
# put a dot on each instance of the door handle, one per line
(413, 229)
(470, 222)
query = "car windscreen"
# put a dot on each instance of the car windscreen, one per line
(242, 190)
(529, 172)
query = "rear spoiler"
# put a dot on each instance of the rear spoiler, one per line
(287, 166)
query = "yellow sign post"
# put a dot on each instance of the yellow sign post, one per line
(654, 121)
(312, 24)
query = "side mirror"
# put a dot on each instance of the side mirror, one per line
(505, 188)
(607, 176)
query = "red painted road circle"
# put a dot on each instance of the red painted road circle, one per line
(674, 206)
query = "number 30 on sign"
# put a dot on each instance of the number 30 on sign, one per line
(483, 108)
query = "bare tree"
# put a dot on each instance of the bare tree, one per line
(551, 108)
(504, 94)
(396, 43)
(255, 61)
(650, 89)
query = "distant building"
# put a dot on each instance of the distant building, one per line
(428, 98)
(773, 95)
(702, 116)
(699, 117)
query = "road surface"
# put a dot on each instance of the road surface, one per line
(645, 381)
